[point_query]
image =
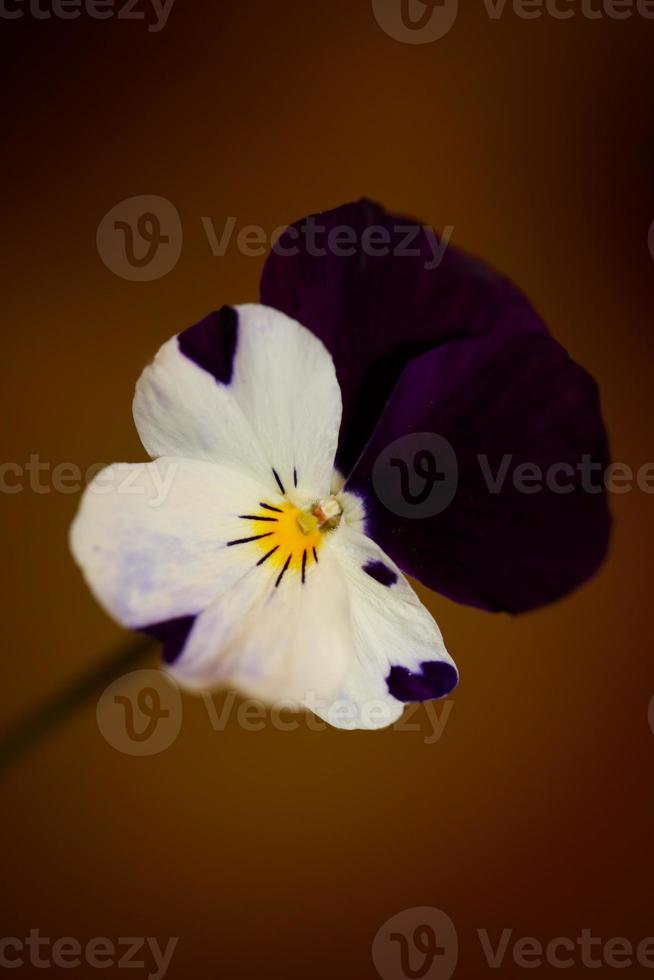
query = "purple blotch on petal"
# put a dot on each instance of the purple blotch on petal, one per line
(435, 679)
(173, 634)
(211, 343)
(380, 572)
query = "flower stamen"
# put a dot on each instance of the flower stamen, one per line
(328, 513)
(297, 534)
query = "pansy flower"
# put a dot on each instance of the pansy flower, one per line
(255, 545)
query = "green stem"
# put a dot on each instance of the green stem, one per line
(37, 724)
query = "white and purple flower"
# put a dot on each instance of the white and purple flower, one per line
(271, 565)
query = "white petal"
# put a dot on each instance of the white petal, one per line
(151, 538)
(290, 641)
(394, 637)
(277, 407)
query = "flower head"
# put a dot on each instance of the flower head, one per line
(269, 563)
(254, 569)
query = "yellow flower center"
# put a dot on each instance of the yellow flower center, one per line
(290, 539)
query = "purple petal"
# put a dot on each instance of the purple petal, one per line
(498, 402)
(211, 343)
(374, 312)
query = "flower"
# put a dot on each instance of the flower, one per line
(254, 568)
(256, 547)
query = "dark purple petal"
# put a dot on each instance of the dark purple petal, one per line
(380, 572)
(211, 343)
(477, 367)
(499, 402)
(435, 680)
(173, 634)
(374, 312)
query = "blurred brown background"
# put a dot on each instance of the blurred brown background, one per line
(282, 854)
